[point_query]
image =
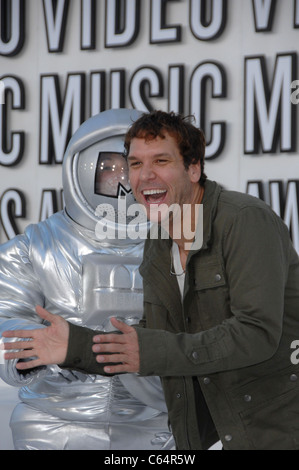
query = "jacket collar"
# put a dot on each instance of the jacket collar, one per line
(210, 201)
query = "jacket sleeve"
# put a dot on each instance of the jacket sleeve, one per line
(256, 250)
(19, 295)
(79, 354)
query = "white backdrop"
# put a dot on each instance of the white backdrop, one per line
(57, 70)
(231, 63)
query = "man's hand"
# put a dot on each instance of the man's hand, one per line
(122, 349)
(46, 346)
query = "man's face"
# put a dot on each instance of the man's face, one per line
(158, 176)
(112, 170)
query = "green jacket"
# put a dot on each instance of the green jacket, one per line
(225, 351)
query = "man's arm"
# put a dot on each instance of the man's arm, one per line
(259, 282)
(256, 251)
(39, 347)
(62, 343)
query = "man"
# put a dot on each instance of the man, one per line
(64, 265)
(220, 340)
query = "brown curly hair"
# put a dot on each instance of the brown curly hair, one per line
(190, 139)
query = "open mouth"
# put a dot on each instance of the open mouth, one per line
(154, 196)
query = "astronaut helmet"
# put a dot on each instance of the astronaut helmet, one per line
(96, 186)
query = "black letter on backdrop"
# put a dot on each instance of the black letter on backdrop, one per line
(97, 92)
(12, 27)
(147, 82)
(117, 88)
(122, 22)
(256, 189)
(49, 204)
(205, 72)
(12, 206)
(160, 31)
(176, 87)
(11, 148)
(88, 24)
(276, 196)
(55, 12)
(296, 13)
(269, 112)
(291, 212)
(203, 28)
(59, 118)
(285, 206)
(263, 14)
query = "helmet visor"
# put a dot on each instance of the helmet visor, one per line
(112, 175)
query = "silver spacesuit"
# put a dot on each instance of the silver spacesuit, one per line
(66, 265)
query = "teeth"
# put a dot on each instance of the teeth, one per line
(150, 192)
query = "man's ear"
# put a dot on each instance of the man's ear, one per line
(194, 171)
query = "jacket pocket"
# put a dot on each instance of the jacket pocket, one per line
(209, 275)
(274, 426)
(271, 411)
(212, 293)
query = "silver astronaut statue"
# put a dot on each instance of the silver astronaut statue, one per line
(66, 265)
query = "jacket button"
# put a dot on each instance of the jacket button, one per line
(195, 355)
(178, 395)
(206, 381)
(293, 378)
(228, 438)
(247, 398)
(218, 277)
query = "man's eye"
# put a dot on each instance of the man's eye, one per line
(134, 164)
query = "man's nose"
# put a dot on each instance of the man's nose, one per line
(147, 173)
